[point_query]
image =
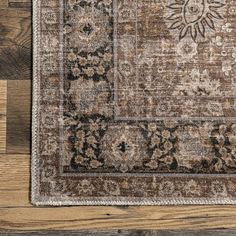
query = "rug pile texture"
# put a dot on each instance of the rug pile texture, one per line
(134, 102)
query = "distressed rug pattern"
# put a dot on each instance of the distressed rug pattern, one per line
(134, 102)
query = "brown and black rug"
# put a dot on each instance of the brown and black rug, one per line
(134, 102)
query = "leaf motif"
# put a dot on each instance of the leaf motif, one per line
(174, 17)
(193, 32)
(217, 4)
(201, 29)
(184, 32)
(230, 162)
(175, 6)
(215, 14)
(209, 22)
(143, 126)
(176, 25)
(218, 166)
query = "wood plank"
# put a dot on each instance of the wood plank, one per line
(15, 44)
(20, 4)
(15, 63)
(18, 116)
(3, 110)
(16, 212)
(3, 4)
(19, 1)
(14, 180)
(15, 40)
(155, 217)
(15, 27)
(118, 232)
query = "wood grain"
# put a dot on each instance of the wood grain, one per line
(15, 50)
(223, 232)
(14, 180)
(3, 111)
(15, 40)
(3, 4)
(19, 3)
(15, 27)
(18, 116)
(15, 63)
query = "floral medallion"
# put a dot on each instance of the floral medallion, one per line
(87, 26)
(195, 18)
(120, 149)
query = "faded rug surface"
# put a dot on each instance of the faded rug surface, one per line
(134, 102)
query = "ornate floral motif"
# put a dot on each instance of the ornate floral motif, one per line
(192, 188)
(112, 187)
(94, 98)
(186, 49)
(166, 188)
(198, 84)
(194, 18)
(85, 187)
(218, 189)
(123, 148)
(85, 143)
(193, 147)
(223, 140)
(87, 25)
(161, 146)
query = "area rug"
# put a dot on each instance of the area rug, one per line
(134, 102)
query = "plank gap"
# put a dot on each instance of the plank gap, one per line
(20, 5)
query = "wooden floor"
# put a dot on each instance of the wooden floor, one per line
(16, 212)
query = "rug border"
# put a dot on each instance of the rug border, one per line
(38, 200)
